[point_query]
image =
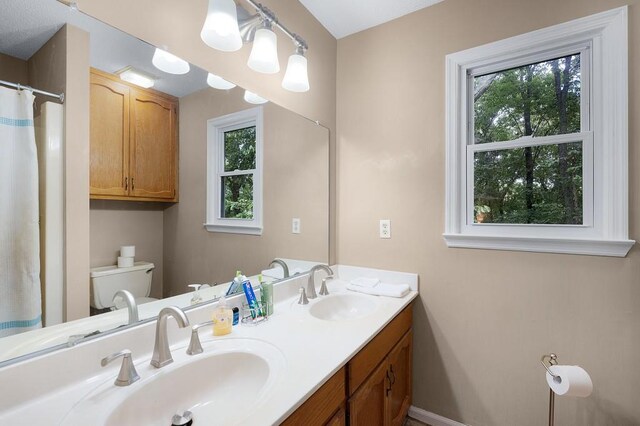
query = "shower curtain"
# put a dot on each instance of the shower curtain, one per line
(20, 298)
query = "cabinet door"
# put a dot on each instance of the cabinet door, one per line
(400, 375)
(339, 418)
(109, 137)
(368, 406)
(153, 146)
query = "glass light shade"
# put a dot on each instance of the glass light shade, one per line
(264, 53)
(218, 82)
(296, 78)
(252, 98)
(135, 77)
(220, 29)
(169, 63)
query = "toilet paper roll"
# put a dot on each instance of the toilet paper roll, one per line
(125, 262)
(572, 380)
(128, 251)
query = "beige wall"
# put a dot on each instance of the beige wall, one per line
(62, 65)
(118, 223)
(295, 185)
(183, 39)
(13, 69)
(483, 318)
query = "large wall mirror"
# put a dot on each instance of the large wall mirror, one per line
(202, 177)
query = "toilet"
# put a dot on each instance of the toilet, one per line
(107, 280)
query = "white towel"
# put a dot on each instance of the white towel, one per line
(382, 289)
(365, 282)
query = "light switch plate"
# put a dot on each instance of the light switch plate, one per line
(295, 225)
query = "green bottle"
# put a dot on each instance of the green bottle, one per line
(266, 296)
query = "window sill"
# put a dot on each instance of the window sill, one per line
(615, 248)
(234, 229)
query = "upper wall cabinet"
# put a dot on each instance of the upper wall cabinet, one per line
(133, 142)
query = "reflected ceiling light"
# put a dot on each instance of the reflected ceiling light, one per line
(296, 78)
(252, 98)
(264, 53)
(139, 78)
(220, 29)
(169, 63)
(218, 82)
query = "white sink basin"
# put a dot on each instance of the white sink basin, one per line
(223, 385)
(337, 307)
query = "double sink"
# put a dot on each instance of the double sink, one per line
(228, 382)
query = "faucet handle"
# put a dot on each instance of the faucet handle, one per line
(303, 297)
(195, 347)
(128, 373)
(323, 288)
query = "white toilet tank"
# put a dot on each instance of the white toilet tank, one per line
(107, 280)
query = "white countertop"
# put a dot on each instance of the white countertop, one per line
(44, 390)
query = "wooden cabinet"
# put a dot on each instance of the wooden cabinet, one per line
(377, 383)
(133, 141)
(368, 406)
(325, 407)
(399, 393)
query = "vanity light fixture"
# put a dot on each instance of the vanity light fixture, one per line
(264, 53)
(258, 29)
(296, 78)
(169, 63)
(218, 82)
(252, 98)
(220, 29)
(139, 78)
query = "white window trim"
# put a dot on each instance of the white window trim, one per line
(215, 149)
(606, 232)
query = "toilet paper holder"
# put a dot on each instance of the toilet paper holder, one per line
(553, 360)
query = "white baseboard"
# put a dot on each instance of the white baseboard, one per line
(431, 418)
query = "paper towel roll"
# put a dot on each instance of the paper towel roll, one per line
(128, 251)
(572, 380)
(125, 262)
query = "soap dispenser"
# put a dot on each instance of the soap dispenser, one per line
(222, 318)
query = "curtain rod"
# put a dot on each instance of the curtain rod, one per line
(31, 89)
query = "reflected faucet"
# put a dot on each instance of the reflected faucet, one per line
(282, 263)
(311, 286)
(132, 306)
(161, 351)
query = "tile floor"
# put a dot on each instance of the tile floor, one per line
(413, 422)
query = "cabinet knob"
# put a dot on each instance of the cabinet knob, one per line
(133, 185)
(126, 184)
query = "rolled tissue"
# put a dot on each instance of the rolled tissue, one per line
(125, 262)
(572, 380)
(128, 251)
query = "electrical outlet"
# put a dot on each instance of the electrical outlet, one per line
(295, 225)
(385, 228)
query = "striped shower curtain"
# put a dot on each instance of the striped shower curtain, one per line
(20, 298)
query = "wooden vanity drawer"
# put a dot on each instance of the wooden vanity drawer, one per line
(323, 407)
(365, 361)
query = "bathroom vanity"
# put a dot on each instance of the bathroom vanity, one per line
(342, 353)
(374, 386)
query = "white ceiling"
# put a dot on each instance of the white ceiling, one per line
(346, 17)
(25, 25)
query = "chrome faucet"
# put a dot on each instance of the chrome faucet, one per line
(311, 286)
(128, 373)
(132, 306)
(282, 263)
(161, 351)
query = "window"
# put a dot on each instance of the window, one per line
(537, 141)
(234, 170)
